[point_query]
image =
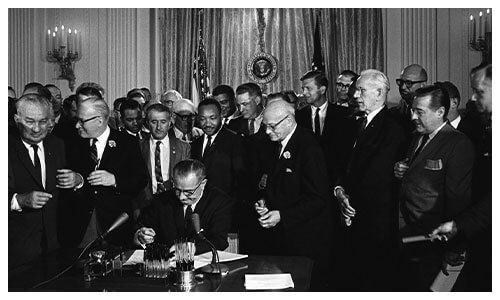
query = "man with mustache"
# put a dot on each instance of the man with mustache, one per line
(435, 185)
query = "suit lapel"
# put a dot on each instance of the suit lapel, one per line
(290, 148)
(431, 145)
(50, 168)
(25, 159)
(145, 149)
(109, 151)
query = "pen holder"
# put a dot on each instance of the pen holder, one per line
(185, 279)
(156, 261)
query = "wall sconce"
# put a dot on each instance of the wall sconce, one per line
(64, 47)
(480, 34)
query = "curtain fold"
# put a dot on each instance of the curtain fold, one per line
(351, 39)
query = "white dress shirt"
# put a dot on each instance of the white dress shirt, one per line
(164, 158)
(455, 122)
(284, 142)
(205, 140)
(101, 143)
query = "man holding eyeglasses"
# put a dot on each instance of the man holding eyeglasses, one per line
(114, 173)
(184, 117)
(295, 212)
(411, 79)
(169, 216)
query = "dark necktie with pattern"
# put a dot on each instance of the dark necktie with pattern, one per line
(425, 138)
(251, 126)
(159, 178)
(317, 127)
(93, 152)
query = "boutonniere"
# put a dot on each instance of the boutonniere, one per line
(111, 143)
(287, 155)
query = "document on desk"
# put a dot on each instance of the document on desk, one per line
(268, 281)
(206, 258)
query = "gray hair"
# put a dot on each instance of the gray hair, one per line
(34, 99)
(378, 78)
(98, 105)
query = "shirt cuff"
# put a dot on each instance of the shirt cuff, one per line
(14, 205)
(81, 183)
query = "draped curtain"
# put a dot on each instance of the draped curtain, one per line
(350, 38)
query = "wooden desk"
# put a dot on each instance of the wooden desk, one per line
(21, 279)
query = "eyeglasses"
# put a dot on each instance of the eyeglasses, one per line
(340, 85)
(184, 117)
(272, 127)
(187, 193)
(408, 83)
(81, 121)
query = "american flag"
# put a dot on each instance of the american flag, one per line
(200, 84)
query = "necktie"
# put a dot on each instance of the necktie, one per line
(93, 152)
(207, 146)
(251, 126)
(187, 218)
(36, 159)
(317, 128)
(159, 179)
(280, 147)
(361, 123)
(424, 140)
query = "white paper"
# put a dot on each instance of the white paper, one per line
(268, 281)
(136, 258)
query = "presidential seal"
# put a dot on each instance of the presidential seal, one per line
(262, 68)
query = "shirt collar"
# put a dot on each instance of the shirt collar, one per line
(285, 141)
(164, 141)
(455, 122)
(372, 115)
(103, 137)
(433, 134)
(214, 135)
(28, 146)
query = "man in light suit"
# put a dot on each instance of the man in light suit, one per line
(294, 210)
(114, 171)
(435, 184)
(161, 153)
(366, 193)
(33, 162)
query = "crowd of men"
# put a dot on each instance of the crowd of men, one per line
(346, 181)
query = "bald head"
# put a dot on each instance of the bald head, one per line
(414, 72)
(279, 118)
(412, 78)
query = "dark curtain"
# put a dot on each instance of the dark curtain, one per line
(351, 39)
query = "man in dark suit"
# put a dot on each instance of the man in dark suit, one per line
(161, 153)
(131, 117)
(114, 172)
(474, 223)
(329, 123)
(169, 216)
(223, 155)
(435, 184)
(224, 94)
(366, 191)
(34, 160)
(294, 210)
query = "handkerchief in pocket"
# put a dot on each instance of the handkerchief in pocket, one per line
(433, 164)
(288, 170)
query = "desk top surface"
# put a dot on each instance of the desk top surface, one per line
(23, 278)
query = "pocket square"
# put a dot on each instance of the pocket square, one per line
(288, 170)
(431, 164)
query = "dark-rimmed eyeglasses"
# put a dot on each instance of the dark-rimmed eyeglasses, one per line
(272, 127)
(340, 85)
(187, 193)
(407, 83)
(81, 121)
(184, 117)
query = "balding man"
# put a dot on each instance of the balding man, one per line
(33, 161)
(412, 78)
(294, 211)
(114, 173)
(169, 98)
(365, 194)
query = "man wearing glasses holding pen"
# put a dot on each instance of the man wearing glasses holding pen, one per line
(113, 170)
(411, 79)
(169, 216)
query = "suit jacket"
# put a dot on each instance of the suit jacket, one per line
(369, 178)
(122, 158)
(335, 139)
(437, 185)
(402, 114)
(166, 217)
(26, 228)
(297, 187)
(179, 150)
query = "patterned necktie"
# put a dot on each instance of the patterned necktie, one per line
(251, 126)
(207, 146)
(317, 127)
(361, 123)
(36, 159)
(424, 140)
(93, 152)
(159, 179)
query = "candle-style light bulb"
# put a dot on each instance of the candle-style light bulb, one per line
(55, 29)
(62, 27)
